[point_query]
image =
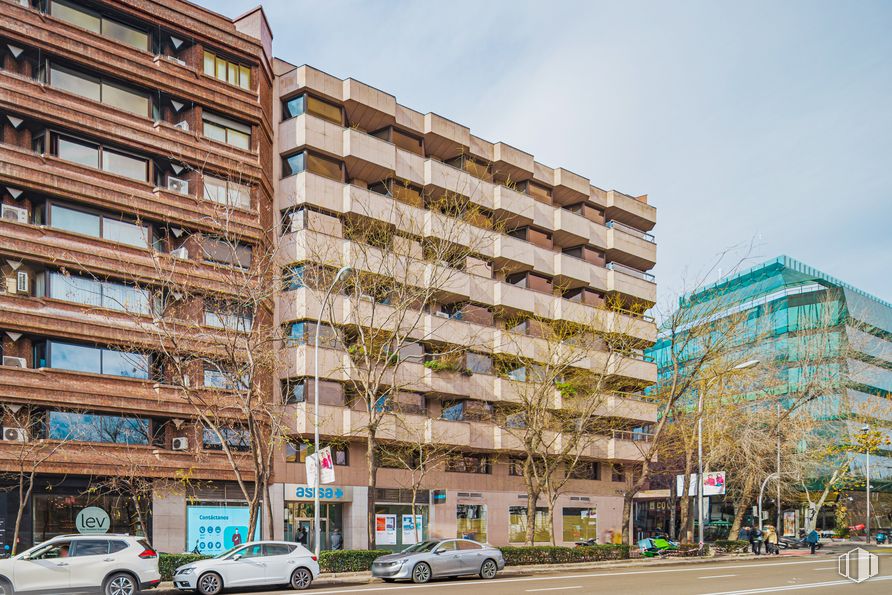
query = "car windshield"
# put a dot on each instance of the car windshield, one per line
(424, 546)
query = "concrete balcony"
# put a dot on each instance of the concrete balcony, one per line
(571, 272)
(312, 189)
(511, 251)
(630, 247)
(445, 138)
(630, 211)
(513, 207)
(629, 407)
(409, 167)
(367, 107)
(622, 447)
(440, 179)
(634, 285)
(367, 157)
(506, 440)
(310, 131)
(333, 420)
(571, 229)
(569, 188)
(512, 163)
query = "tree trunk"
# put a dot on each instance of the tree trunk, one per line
(686, 524)
(628, 498)
(373, 485)
(739, 511)
(673, 503)
(139, 516)
(24, 497)
(550, 522)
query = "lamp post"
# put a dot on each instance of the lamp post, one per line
(741, 366)
(866, 428)
(343, 273)
(761, 492)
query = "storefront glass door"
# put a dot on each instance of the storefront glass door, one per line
(299, 525)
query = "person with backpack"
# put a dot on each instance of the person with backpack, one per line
(756, 540)
(771, 541)
(812, 540)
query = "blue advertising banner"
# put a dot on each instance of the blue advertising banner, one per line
(212, 530)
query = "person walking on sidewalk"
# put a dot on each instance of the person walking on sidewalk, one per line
(771, 546)
(756, 540)
(812, 540)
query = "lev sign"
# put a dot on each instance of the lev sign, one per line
(92, 519)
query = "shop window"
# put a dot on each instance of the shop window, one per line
(89, 427)
(55, 513)
(91, 20)
(100, 294)
(99, 89)
(517, 524)
(580, 523)
(227, 71)
(307, 104)
(471, 522)
(227, 131)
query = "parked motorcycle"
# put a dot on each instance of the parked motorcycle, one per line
(651, 548)
(882, 538)
(587, 542)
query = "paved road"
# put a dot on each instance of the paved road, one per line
(735, 577)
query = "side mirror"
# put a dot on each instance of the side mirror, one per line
(237, 557)
(26, 557)
(438, 551)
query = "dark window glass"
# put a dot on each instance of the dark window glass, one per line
(447, 546)
(95, 360)
(89, 427)
(238, 439)
(82, 153)
(275, 549)
(117, 546)
(468, 545)
(90, 547)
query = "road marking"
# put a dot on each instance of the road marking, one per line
(718, 576)
(803, 586)
(696, 568)
(553, 589)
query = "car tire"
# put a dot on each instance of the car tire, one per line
(120, 583)
(6, 587)
(210, 583)
(488, 569)
(421, 573)
(389, 580)
(301, 579)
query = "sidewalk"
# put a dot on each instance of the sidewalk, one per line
(366, 577)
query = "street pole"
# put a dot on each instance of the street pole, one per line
(343, 273)
(700, 466)
(761, 493)
(865, 429)
(777, 527)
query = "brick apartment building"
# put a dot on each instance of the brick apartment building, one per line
(122, 124)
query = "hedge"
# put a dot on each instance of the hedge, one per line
(549, 554)
(731, 546)
(168, 563)
(348, 560)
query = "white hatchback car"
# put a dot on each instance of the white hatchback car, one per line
(109, 564)
(252, 564)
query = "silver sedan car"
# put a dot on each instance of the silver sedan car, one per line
(440, 558)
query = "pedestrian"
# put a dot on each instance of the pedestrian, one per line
(744, 533)
(756, 540)
(302, 536)
(812, 540)
(337, 540)
(771, 546)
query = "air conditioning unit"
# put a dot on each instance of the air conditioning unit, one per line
(177, 185)
(182, 125)
(441, 314)
(181, 253)
(15, 434)
(22, 282)
(181, 443)
(14, 362)
(11, 213)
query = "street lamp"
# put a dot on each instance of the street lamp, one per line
(761, 492)
(343, 273)
(741, 366)
(866, 428)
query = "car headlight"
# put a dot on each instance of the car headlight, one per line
(399, 562)
(183, 571)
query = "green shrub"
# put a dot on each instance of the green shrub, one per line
(548, 554)
(348, 560)
(731, 546)
(168, 563)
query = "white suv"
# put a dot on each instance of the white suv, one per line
(108, 563)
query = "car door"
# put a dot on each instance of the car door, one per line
(470, 556)
(444, 561)
(46, 569)
(247, 570)
(89, 562)
(279, 563)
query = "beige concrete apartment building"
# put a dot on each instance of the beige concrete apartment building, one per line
(351, 156)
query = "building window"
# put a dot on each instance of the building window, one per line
(307, 104)
(91, 20)
(298, 452)
(228, 316)
(294, 391)
(237, 439)
(478, 363)
(227, 71)
(618, 472)
(469, 463)
(89, 427)
(216, 377)
(586, 470)
(227, 193)
(227, 131)
(467, 410)
(515, 467)
(99, 89)
(94, 155)
(227, 253)
(93, 360)
(99, 226)
(101, 294)
(580, 524)
(517, 524)
(304, 333)
(313, 163)
(471, 522)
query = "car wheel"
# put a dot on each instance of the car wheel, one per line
(488, 569)
(6, 587)
(210, 583)
(120, 584)
(421, 573)
(301, 579)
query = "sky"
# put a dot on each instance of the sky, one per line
(755, 128)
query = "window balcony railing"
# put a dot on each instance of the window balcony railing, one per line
(613, 224)
(631, 435)
(615, 266)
